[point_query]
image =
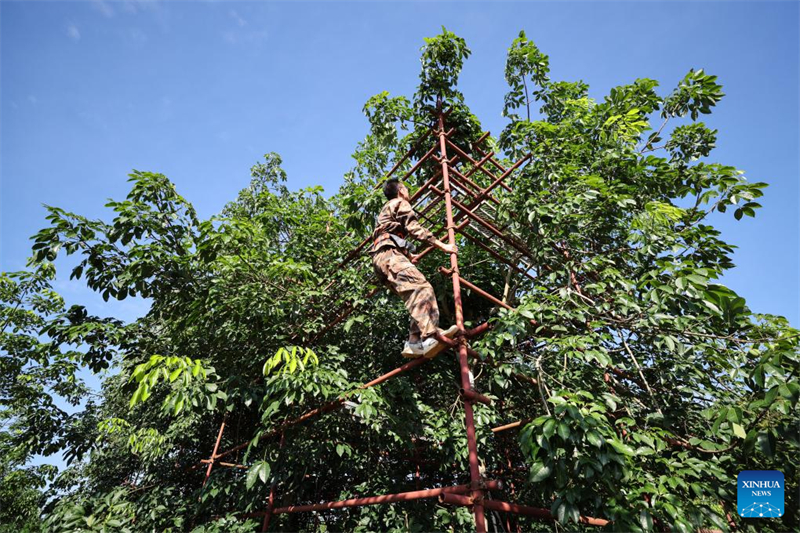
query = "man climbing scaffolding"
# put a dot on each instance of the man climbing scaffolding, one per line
(392, 258)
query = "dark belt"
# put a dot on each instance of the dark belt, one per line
(390, 241)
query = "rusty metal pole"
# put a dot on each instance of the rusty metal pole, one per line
(271, 500)
(214, 453)
(466, 375)
(375, 500)
(539, 513)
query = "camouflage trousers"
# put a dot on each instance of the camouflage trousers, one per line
(404, 279)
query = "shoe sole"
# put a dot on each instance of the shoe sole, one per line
(435, 349)
(439, 347)
(410, 355)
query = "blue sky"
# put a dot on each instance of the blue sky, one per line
(201, 90)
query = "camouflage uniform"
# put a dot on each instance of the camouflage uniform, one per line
(391, 262)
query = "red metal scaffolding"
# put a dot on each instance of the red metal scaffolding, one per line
(468, 210)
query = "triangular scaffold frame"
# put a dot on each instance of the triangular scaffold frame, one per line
(472, 218)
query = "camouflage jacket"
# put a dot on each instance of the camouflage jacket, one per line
(398, 218)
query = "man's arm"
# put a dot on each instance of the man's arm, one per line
(405, 215)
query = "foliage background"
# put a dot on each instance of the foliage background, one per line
(279, 212)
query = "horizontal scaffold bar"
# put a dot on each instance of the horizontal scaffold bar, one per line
(537, 512)
(376, 500)
(455, 498)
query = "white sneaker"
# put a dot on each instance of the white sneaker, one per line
(430, 346)
(410, 350)
(449, 332)
(418, 349)
(424, 348)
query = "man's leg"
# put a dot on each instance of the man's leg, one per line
(420, 301)
(414, 334)
(410, 284)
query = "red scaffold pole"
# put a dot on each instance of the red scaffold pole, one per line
(374, 500)
(537, 512)
(271, 499)
(214, 453)
(466, 375)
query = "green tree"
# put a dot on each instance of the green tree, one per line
(646, 385)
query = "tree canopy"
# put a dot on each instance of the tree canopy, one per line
(644, 384)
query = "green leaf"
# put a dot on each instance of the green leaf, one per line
(621, 447)
(670, 343)
(259, 471)
(646, 520)
(739, 431)
(179, 405)
(252, 476)
(137, 396)
(573, 512)
(723, 414)
(770, 396)
(561, 512)
(539, 472)
(264, 471)
(594, 438)
(573, 412)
